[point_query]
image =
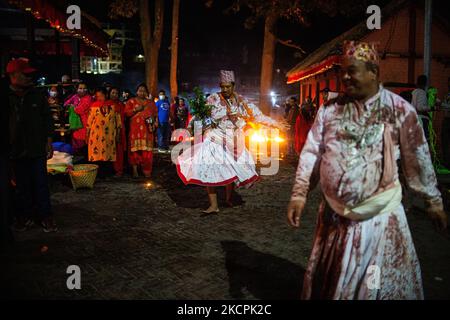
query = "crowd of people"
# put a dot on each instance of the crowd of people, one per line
(107, 125)
(300, 118)
(104, 125)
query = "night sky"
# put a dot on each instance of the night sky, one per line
(209, 31)
(219, 38)
(210, 40)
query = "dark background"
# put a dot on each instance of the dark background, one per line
(209, 40)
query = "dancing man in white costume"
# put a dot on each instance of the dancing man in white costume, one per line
(219, 160)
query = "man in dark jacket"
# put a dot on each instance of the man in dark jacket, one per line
(5, 232)
(31, 130)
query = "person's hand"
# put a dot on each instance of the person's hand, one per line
(283, 125)
(439, 219)
(294, 212)
(138, 108)
(435, 211)
(49, 150)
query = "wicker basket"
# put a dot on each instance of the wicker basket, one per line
(83, 175)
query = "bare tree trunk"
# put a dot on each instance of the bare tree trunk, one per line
(268, 58)
(151, 41)
(174, 49)
(146, 31)
(156, 45)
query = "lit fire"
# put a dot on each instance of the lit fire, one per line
(262, 136)
(259, 137)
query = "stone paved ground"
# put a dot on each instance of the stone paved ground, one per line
(133, 242)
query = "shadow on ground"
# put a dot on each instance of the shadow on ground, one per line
(263, 275)
(191, 196)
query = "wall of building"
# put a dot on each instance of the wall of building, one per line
(394, 38)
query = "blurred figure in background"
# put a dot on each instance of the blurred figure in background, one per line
(126, 95)
(420, 103)
(119, 108)
(164, 120)
(180, 113)
(293, 110)
(303, 124)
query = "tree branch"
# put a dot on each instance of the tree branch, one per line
(289, 43)
(159, 22)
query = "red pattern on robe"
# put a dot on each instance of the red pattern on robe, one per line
(345, 252)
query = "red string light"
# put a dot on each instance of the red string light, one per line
(57, 25)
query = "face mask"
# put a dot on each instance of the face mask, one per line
(53, 94)
(161, 97)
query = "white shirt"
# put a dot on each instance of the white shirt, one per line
(419, 100)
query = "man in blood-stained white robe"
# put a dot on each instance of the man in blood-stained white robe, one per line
(363, 247)
(220, 160)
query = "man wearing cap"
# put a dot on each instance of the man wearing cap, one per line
(219, 160)
(363, 247)
(31, 131)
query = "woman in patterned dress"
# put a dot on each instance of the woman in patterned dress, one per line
(103, 129)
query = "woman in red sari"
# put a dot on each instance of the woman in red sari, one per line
(305, 120)
(119, 108)
(143, 117)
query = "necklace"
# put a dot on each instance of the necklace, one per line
(357, 136)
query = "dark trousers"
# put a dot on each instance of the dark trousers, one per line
(32, 187)
(426, 129)
(164, 135)
(5, 194)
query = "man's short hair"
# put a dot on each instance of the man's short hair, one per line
(370, 66)
(162, 91)
(422, 80)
